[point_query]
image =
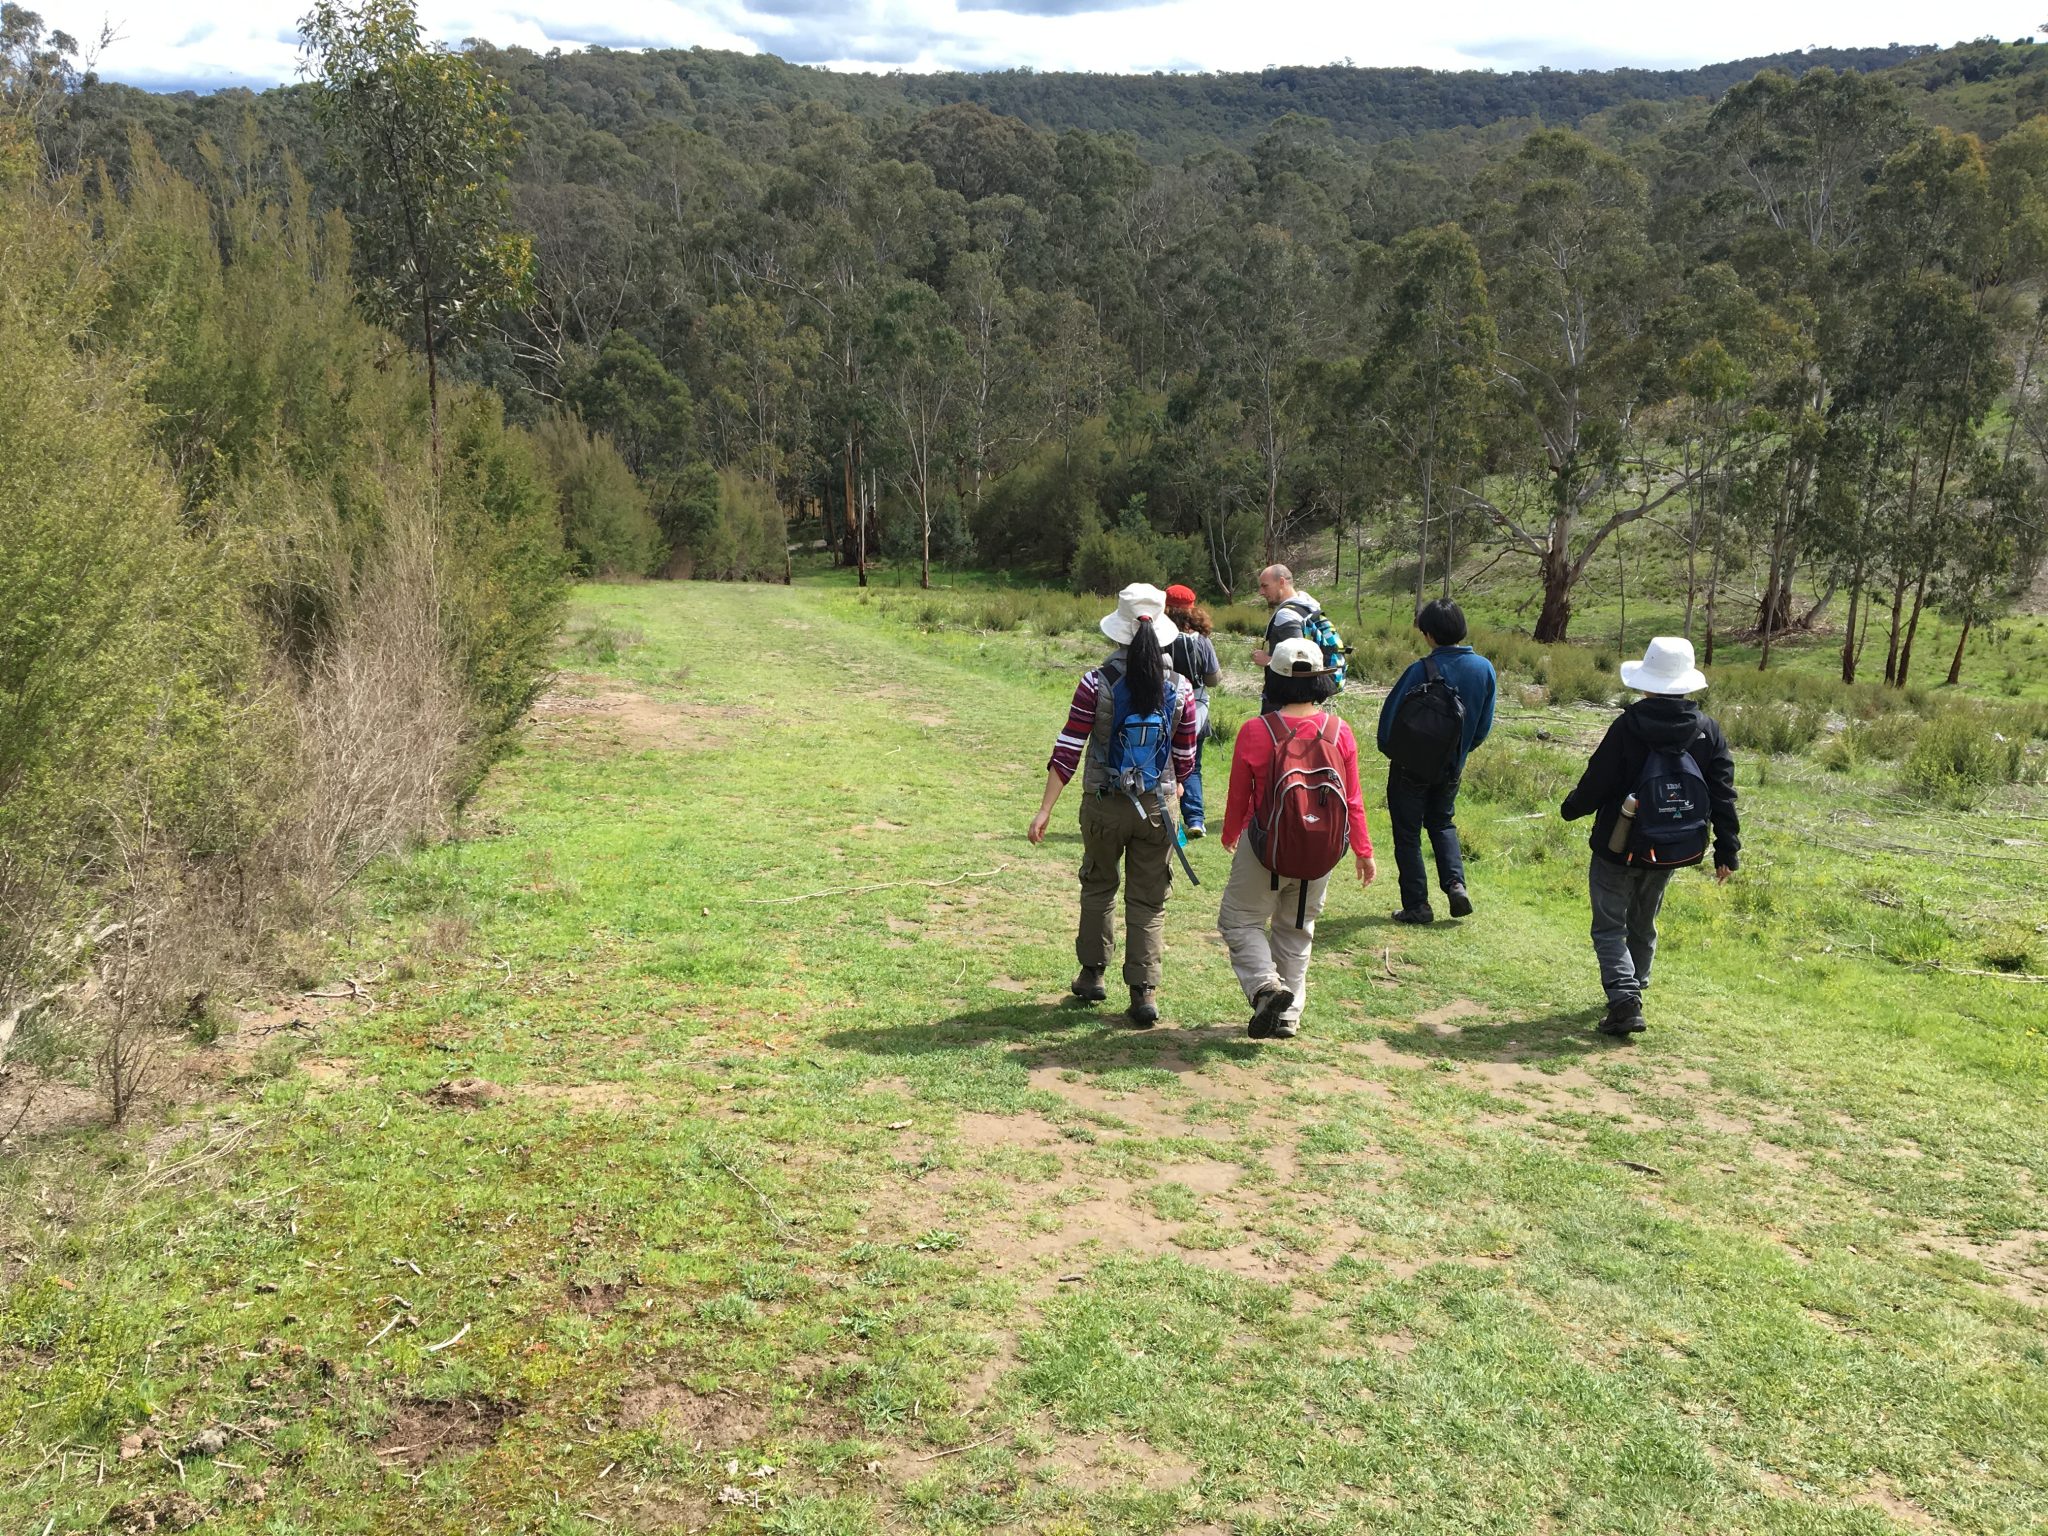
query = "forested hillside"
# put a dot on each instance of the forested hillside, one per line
(1796, 322)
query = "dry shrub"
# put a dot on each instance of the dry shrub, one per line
(383, 722)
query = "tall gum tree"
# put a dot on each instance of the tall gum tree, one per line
(1569, 270)
(421, 139)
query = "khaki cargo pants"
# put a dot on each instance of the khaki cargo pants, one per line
(1120, 846)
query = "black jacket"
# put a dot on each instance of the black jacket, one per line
(1668, 725)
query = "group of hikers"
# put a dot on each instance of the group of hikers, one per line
(1660, 788)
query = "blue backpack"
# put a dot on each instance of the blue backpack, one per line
(1316, 626)
(1140, 745)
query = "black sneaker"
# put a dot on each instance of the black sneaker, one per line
(1088, 985)
(1421, 914)
(1624, 1018)
(1461, 904)
(1266, 1010)
(1144, 1009)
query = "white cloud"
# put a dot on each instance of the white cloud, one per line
(201, 42)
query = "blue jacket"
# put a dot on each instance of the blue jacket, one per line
(1465, 670)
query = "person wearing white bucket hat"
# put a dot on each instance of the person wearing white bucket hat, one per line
(1134, 719)
(1659, 784)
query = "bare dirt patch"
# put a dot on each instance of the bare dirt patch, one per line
(163, 1510)
(586, 1098)
(597, 1297)
(423, 1432)
(465, 1093)
(704, 1421)
(1444, 1020)
(597, 713)
(32, 1105)
(2018, 1264)
(1091, 1464)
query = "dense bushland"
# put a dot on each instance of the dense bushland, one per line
(252, 639)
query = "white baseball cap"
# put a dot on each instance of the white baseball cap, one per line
(1299, 657)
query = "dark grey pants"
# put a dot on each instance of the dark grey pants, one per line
(1625, 903)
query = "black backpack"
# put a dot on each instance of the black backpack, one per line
(1428, 731)
(1671, 812)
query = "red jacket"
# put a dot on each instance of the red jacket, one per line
(1251, 764)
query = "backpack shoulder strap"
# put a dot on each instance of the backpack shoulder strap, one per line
(1431, 672)
(1327, 731)
(1273, 730)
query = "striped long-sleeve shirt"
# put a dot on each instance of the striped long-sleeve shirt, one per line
(1073, 740)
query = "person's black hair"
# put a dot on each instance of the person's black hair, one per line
(1145, 671)
(1307, 688)
(1443, 621)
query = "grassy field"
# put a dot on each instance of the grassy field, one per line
(711, 1148)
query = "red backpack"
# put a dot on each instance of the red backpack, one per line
(1303, 822)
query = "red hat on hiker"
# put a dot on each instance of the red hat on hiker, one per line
(1180, 597)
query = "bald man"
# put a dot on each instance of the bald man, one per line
(1291, 613)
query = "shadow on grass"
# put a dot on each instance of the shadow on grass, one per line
(1091, 1037)
(967, 1031)
(1331, 932)
(1566, 1034)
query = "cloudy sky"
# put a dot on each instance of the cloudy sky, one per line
(174, 44)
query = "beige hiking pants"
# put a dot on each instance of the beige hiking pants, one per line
(1119, 846)
(1257, 923)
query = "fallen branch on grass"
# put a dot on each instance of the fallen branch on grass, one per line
(970, 1445)
(354, 994)
(862, 890)
(1960, 970)
(752, 1188)
(177, 1173)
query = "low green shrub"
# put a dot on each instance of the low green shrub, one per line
(1771, 727)
(1839, 753)
(1958, 759)
(1888, 737)
(1524, 777)
(1001, 612)
(1572, 676)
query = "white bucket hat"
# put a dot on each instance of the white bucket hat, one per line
(1666, 667)
(1299, 657)
(1140, 601)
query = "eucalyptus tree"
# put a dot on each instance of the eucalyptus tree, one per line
(921, 372)
(2004, 498)
(1569, 270)
(1273, 308)
(423, 145)
(1432, 352)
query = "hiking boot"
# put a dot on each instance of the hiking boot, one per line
(1624, 1018)
(1421, 914)
(1266, 1010)
(1461, 904)
(1088, 985)
(1144, 1009)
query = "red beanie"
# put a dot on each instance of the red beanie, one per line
(1180, 597)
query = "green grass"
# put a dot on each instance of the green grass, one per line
(839, 1187)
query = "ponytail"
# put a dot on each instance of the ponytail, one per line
(1145, 670)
